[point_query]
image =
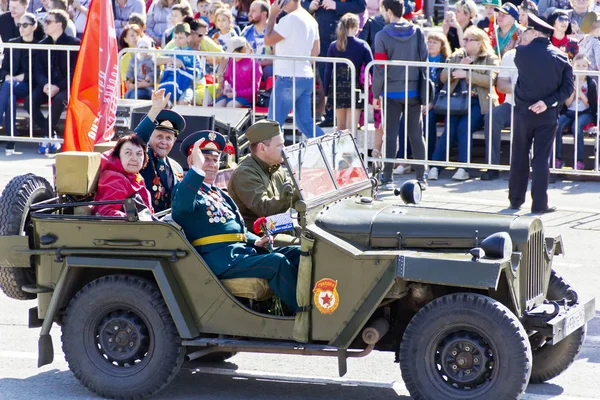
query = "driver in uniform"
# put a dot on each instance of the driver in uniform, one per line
(213, 224)
(257, 184)
(159, 129)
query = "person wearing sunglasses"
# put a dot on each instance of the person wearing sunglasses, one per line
(52, 83)
(15, 78)
(560, 21)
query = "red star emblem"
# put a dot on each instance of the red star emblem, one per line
(326, 300)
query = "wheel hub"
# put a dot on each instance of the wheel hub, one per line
(464, 361)
(122, 338)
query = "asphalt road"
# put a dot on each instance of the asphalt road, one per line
(257, 377)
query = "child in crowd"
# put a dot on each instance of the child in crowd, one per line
(140, 69)
(357, 50)
(178, 13)
(212, 16)
(225, 29)
(590, 45)
(243, 74)
(203, 7)
(182, 70)
(583, 103)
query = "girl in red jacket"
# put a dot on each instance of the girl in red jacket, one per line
(120, 178)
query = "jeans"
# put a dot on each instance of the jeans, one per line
(142, 94)
(59, 102)
(459, 132)
(568, 120)
(500, 119)
(431, 136)
(282, 101)
(20, 90)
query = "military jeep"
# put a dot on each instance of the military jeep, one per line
(467, 301)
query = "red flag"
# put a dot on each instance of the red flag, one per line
(93, 103)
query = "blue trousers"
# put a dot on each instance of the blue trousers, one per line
(280, 268)
(568, 120)
(283, 100)
(142, 94)
(458, 131)
(20, 90)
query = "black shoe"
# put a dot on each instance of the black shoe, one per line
(490, 175)
(326, 123)
(545, 211)
(514, 206)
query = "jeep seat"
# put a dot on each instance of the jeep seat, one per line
(249, 288)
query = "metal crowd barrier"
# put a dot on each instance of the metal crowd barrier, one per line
(8, 49)
(202, 58)
(403, 159)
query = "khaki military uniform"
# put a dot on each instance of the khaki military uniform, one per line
(257, 189)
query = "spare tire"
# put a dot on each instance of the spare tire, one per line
(17, 196)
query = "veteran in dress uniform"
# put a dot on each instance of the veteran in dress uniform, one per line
(213, 224)
(159, 129)
(257, 184)
(545, 82)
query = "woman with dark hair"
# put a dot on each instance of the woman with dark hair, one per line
(559, 20)
(14, 76)
(240, 13)
(120, 177)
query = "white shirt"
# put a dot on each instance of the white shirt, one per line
(508, 60)
(299, 30)
(578, 105)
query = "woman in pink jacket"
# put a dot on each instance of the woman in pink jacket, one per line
(120, 177)
(243, 74)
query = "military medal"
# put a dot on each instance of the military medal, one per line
(155, 188)
(161, 168)
(223, 220)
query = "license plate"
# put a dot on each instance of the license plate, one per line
(575, 321)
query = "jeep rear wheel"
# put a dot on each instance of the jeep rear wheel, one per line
(549, 361)
(17, 196)
(465, 346)
(119, 338)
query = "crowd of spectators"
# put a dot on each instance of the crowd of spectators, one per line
(485, 33)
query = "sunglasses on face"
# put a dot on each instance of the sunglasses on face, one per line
(563, 18)
(197, 34)
(24, 25)
(49, 21)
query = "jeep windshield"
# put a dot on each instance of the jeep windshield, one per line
(323, 166)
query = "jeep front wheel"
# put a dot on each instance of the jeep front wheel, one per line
(21, 192)
(465, 346)
(549, 361)
(119, 338)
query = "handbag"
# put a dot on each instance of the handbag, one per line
(457, 102)
(424, 79)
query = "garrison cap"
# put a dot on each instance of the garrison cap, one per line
(182, 27)
(536, 23)
(262, 130)
(211, 143)
(169, 121)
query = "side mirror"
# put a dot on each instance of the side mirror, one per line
(410, 192)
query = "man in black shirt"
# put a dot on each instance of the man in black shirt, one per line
(545, 82)
(52, 82)
(9, 20)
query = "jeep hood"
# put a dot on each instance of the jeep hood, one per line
(379, 224)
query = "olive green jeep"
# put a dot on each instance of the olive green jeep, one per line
(467, 301)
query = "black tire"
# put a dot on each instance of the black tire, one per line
(465, 346)
(137, 359)
(550, 361)
(17, 196)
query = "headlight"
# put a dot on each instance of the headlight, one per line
(498, 245)
(410, 192)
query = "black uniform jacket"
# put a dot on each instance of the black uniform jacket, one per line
(544, 74)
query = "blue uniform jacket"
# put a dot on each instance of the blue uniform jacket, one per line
(202, 211)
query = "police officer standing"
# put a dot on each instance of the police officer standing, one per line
(159, 129)
(545, 82)
(257, 184)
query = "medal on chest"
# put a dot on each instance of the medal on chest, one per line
(216, 209)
